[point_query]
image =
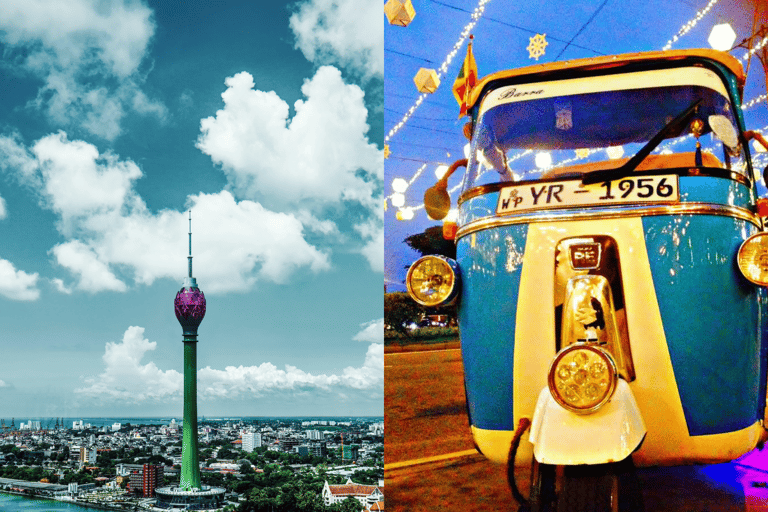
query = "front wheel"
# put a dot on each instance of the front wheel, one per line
(612, 487)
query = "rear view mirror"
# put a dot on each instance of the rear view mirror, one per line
(437, 202)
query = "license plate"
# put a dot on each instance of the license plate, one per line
(563, 194)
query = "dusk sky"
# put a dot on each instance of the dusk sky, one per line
(116, 117)
(424, 132)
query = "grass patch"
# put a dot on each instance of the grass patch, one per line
(424, 335)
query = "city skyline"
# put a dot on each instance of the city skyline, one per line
(119, 118)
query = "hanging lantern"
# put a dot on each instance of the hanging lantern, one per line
(399, 13)
(722, 37)
(399, 185)
(426, 80)
(398, 200)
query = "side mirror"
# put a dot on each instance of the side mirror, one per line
(437, 202)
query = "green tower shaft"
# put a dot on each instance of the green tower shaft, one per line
(190, 466)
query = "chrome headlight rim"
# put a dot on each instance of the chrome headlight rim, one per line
(743, 263)
(613, 375)
(444, 299)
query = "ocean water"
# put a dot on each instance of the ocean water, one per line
(12, 503)
(48, 423)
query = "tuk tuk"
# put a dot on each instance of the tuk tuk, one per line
(609, 273)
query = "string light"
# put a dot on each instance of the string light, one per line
(475, 17)
(689, 26)
(757, 47)
(753, 101)
(666, 148)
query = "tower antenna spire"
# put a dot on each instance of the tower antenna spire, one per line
(190, 243)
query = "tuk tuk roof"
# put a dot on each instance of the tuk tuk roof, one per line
(613, 61)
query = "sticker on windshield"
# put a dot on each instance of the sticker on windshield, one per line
(563, 194)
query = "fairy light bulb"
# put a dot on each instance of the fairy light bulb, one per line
(543, 160)
(399, 185)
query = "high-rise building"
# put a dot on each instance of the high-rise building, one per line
(314, 435)
(287, 445)
(251, 440)
(145, 479)
(318, 448)
(152, 478)
(88, 454)
(351, 452)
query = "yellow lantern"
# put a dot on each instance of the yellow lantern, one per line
(399, 13)
(426, 80)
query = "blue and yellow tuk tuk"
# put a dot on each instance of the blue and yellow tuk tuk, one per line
(609, 271)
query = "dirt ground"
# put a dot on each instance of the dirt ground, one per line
(425, 418)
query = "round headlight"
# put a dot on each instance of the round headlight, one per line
(582, 378)
(432, 280)
(753, 258)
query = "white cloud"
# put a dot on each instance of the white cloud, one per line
(17, 284)
(113, 237)
(87, 54)
(126, 378)
(15, 157)
(373, 332)
(3, 384)
(345, 32)
(60, 286)
(79, 182)
(321, 157)
(94, 275)
(313, 157)
(373, 250)
(258, 380)
(371, 374)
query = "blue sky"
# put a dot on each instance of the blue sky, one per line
(118, 116)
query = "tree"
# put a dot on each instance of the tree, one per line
(431, 241)
(400, 310)
(348, 505)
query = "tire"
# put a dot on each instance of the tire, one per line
(610, 487)
(542, 497)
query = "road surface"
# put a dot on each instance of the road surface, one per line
(431, 463)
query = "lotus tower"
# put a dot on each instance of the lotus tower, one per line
(190, 494)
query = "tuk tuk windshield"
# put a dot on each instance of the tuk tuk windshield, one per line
(565, 129)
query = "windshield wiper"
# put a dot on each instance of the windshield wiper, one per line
(627, 169)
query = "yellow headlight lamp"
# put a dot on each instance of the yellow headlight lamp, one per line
(433, 280)
(582, 378)
(753, 258)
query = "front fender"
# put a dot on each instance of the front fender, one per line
(610, 434)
